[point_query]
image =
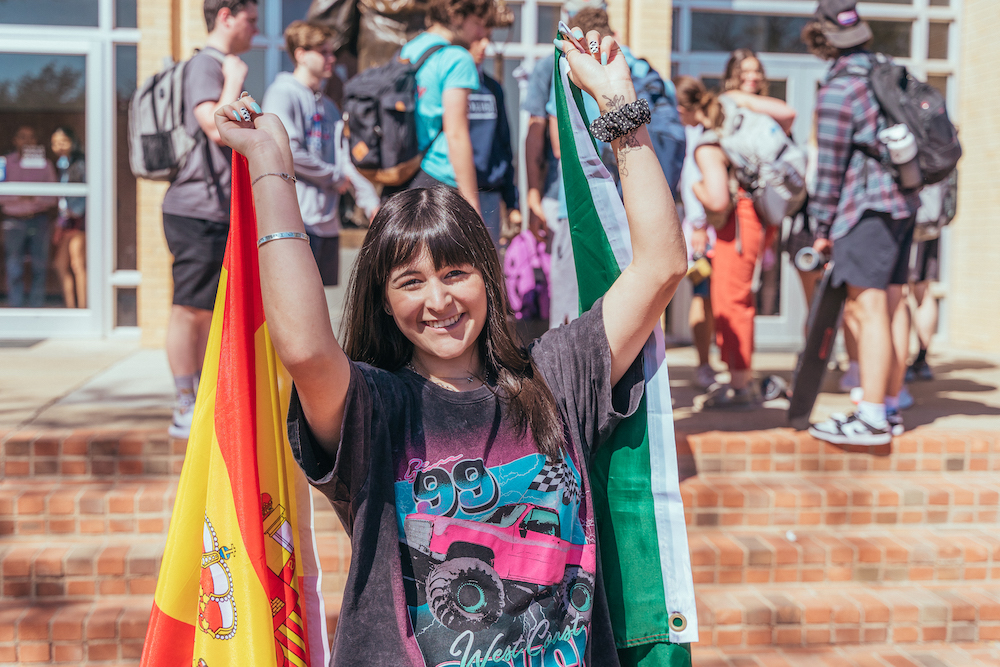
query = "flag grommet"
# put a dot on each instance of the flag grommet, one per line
(677, 622)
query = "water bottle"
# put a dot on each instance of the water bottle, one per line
(902, 147)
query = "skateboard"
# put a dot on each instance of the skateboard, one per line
(824, 319)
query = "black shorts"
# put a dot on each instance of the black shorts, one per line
(875, 253)
(198, 247)
(326, 250)
(924, 263)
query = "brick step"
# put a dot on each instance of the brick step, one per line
(875, 500)
(933, 654)
(108, 632)
(90, 454)
(785, 450)
(88, 569)
(753, 616)
(65, 508)
(888, 557)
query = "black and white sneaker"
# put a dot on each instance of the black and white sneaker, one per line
(895, 419)
(850, 430)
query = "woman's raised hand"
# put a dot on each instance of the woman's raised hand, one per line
(251, 133)
(603, 73)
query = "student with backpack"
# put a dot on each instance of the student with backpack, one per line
(729, 159)
(315, 131)
(196, 206)
(864, 219)
(444, 83)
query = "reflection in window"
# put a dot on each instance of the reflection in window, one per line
(125, 192)
(937, 41)
(548, 23)
(125, 16)
(892, 37)
(42, 125)
(126, 307)
(49, 12)
(511, 33)
(293, 10)
(675, 26)
(713, 31)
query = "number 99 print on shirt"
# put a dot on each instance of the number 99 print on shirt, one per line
(498, 562)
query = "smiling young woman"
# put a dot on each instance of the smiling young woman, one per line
(456, 458)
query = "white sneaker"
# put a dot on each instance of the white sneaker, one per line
(180, 427)
(850, 430)
(850, 379)
(895, 419)
(704, 377)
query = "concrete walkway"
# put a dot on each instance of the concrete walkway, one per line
(61, 384)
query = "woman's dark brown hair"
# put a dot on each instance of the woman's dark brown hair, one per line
(440, 220)
(734, 68)
(691, 95)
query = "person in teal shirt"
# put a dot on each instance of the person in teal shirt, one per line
(443, 86)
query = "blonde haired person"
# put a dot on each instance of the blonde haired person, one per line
(315, 131)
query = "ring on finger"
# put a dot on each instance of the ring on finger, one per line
(595, 46)
(244, 94)
(245, 114)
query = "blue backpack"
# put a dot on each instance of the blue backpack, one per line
(665, 128)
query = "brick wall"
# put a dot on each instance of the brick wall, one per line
(647, 31)
(156, 22)
(975, 256)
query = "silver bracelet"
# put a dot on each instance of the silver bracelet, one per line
(267, 238)
(282, 175)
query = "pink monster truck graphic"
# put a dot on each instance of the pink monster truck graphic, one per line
(470, 572)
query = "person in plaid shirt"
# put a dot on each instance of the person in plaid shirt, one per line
(863, 220)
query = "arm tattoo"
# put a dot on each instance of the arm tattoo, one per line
(628, 142)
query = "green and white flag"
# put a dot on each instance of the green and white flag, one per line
(637, 499)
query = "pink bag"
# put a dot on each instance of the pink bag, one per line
(526, 267)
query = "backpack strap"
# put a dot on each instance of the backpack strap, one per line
(415, 67)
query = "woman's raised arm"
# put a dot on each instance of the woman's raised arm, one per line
(639, 296)
(298, 319)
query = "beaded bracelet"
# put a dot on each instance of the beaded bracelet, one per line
(618, 123)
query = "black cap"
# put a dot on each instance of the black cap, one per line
(842, 26)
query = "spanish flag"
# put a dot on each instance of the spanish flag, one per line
(240, 579)
(637, 499)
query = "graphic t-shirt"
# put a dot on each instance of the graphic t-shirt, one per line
(450, 67)
(468, 546)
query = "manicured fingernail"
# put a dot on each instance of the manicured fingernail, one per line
(256, 107)
(557, 42)
(236, 115)
(577, 33)
(604, 58)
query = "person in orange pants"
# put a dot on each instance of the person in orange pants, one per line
(737, 248)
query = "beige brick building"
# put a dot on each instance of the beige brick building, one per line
(948, 41)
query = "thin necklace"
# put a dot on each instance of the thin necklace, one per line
(437, 380)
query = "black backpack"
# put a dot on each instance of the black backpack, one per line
(380, 120)
(918, 105)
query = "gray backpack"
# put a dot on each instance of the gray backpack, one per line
(768, 165)
(158, 144)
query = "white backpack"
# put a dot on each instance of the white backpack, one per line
(767, 162)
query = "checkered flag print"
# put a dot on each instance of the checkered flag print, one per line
(554, 476)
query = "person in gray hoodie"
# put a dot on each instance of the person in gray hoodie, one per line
(315, 130)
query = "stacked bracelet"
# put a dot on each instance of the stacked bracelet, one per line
(620, 122)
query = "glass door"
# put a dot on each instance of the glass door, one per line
(781, 307)
(50, 211)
